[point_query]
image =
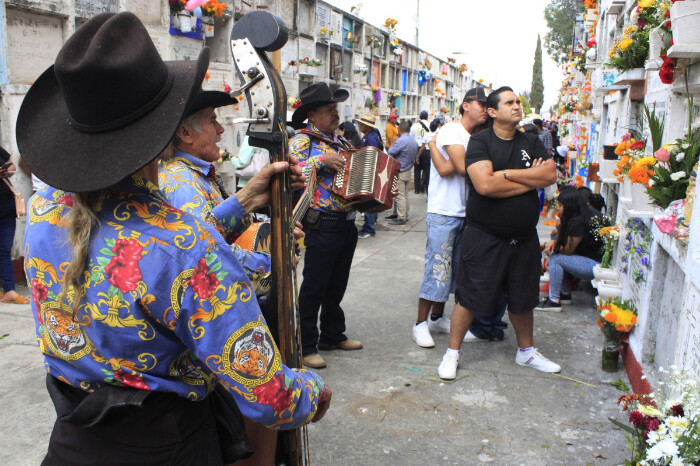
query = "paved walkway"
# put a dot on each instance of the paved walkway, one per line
(388, 407)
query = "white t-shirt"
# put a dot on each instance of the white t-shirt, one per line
(447, 195)
(418, 132)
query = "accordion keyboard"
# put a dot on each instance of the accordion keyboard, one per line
(363, 167)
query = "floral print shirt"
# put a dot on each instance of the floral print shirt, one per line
(311, 151)
(185, 181)
(166, 306)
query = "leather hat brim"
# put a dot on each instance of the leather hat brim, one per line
(210, 99)
(76, 161)
(301, 113)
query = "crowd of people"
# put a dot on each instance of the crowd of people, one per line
(142, 293)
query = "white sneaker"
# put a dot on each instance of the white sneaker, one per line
(442, 325)
(470, 337)
(536, 361)
(421, 335)
(448, 367)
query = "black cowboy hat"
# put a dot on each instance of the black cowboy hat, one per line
(213, 99)
(313, 97)
(107, 107)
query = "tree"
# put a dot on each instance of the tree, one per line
(560, 15)
(537, 87)
(525, 103)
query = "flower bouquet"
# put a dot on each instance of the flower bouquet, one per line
(673, 165)
(310, 61)
(610, 237)
(631, 50)
(664, 432)
(615, 317)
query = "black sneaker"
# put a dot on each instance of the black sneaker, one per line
(391, 217)
(549, 306)
(565, 298)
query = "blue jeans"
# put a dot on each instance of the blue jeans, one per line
(578, 266)
(368, 227)
(491, 328)
(7, 236)
(441, 256)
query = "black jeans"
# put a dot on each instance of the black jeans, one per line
(329, 251)
(8, 224)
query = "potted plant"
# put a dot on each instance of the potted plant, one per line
(210, 10)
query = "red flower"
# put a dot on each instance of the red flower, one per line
(666, 75)
(67, 200)
(637, 419)
(677, 410)
(274, 394)
(652, 423)
(130, 380)
(123, 270)
(668, 13)
(203, 283)
(637, 145)
(39, 294)
(671, 41)
(668, 24)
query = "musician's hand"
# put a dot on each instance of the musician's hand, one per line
(256, 193)
(298, 231)
(297, 179)
(323, 405)
(334, 161)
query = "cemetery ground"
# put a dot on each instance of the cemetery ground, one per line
(389, 407)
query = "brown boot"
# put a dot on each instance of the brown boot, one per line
(315, 361)
(347, 345)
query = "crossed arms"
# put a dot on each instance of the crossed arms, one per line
(517, 181)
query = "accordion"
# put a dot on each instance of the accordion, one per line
(367, 180)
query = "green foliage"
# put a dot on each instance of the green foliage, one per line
(525, 103)
(656, 126)
(537, 88)
(560, 15)
(620, 385)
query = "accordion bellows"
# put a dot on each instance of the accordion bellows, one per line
(367, 180)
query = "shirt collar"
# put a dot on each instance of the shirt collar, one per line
(333, 136)
(136, 184)
(196, 163)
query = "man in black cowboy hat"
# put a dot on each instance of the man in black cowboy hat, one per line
(331, 235)
(151, 312)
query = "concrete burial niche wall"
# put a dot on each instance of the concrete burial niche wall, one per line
(33, 41)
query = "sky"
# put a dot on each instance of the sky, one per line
(497, 37)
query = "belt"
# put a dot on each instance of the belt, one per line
(340, 216)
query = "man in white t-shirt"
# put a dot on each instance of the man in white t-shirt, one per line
(445, 219)
(419, 130)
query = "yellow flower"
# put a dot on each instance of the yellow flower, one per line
(649, 411)
(646, 161)
(625, 43)
(629, 30)
(645, 3)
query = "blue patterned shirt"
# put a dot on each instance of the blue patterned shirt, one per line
(166, 306)
(311, 151)
(185, 181)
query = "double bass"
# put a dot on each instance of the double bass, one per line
(251, 37)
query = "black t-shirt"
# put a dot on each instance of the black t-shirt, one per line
(5, 193)
(509, 217)
(581, 227)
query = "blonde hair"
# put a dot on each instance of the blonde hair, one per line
(82, 223)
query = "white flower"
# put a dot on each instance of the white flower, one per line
(665, 449)
(677, 176)
(676, 461)
(685, 145)
(680, 157)
(651, 183)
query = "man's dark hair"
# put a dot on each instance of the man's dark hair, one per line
(434, 125)
(405, 127)
(537, 122)
(423, 115)
(494, 98)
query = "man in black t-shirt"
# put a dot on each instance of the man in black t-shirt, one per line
(500, 250)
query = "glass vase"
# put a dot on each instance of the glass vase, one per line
(611, 354)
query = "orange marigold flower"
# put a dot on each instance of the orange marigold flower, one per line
(611, 317)
(600, 323)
